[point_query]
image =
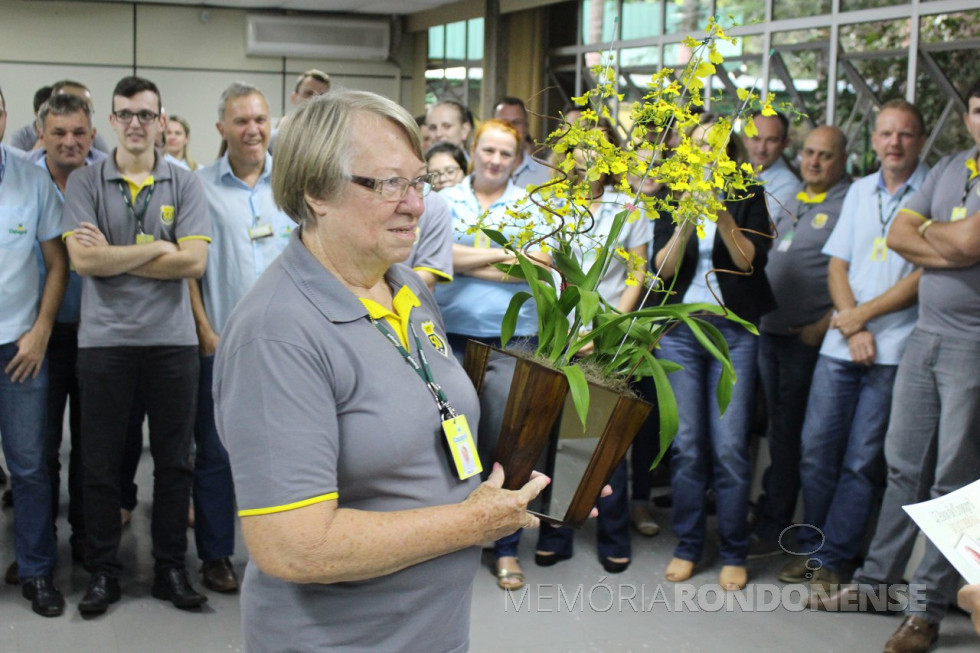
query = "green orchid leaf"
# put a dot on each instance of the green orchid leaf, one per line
(588, 305)
(578, 388)
(496, 236)
(569, 267)
(666, 404)
(509, 324)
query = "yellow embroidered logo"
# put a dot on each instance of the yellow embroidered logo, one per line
(429, 328)
(19, 230)
(167, 214)
(820, 220)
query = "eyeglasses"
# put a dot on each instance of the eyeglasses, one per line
(145, 117)
(451, 171)
(393, 189)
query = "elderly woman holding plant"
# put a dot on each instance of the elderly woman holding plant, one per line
(729, 259)
(474, 304)
(362, 526)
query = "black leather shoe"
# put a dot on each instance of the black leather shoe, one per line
(174, 586)
(614, 567)
(219, 576)
(45, 598)
(100, 593)
(545, 559)
(11, 577)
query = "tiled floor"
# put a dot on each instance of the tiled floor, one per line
(573, 606)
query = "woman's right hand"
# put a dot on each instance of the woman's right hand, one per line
(499, 512)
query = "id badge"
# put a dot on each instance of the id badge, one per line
(260, 231)
(462, 447)
(879, 250)
(481, 240)
(959, 212)
(142, 239)
(785, 243)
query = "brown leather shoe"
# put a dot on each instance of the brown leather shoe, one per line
(846, 598)
(219, 576)
(915, 635)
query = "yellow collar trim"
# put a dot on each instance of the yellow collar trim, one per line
(403, 302)
(807, 198)
(134, 188)
(971, 165)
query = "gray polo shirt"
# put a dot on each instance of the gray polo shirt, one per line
(126, 310)
(797, 267)
(314, 404)
(949, 300)
(433, 251)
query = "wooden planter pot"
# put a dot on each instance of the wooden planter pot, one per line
(531, 425)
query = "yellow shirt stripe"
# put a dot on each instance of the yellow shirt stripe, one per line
(332, 496)
(134, 188)
(441, 277)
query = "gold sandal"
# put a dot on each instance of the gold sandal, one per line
(509, 579)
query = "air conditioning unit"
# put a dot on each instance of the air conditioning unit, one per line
(318, 38)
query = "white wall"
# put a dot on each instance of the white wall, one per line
(189, 58)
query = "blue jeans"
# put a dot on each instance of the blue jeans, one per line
(22, 419)
(709, 443)
(786, 370)
(612, 524)
(842, 469)
(931, 449)
(214, 492)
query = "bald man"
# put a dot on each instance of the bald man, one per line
(790, 336)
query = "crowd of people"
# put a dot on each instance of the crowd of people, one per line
(263, 320)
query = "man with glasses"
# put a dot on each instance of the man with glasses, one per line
(249, 233)
(529, 171)
(136, 227)
(29, 214)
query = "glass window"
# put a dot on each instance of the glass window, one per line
(799, 8)
(599, 21)
(742, 11)
(641, 18)
(687, 16)
(437, 42)
(854, 5)
(456, 40)
(648, 55)
(474, 45)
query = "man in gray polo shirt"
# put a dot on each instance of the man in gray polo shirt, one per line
(931, 446)
(136, 227)
(790, 336)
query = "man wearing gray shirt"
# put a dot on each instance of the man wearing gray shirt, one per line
(790, 336)
(931, 446)
(136, 227)
(766, 149)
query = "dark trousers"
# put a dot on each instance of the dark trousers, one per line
(612, 524)
(167, 379)
(646, 445)
(214, 490)
(63, 391)
(786, 369)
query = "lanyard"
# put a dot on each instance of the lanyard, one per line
(138, 216)
(424, 371)
(881, 217)
(3, 165)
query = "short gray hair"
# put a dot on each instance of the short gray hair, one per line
(315, 146)
(236, 90)
(64, 105)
